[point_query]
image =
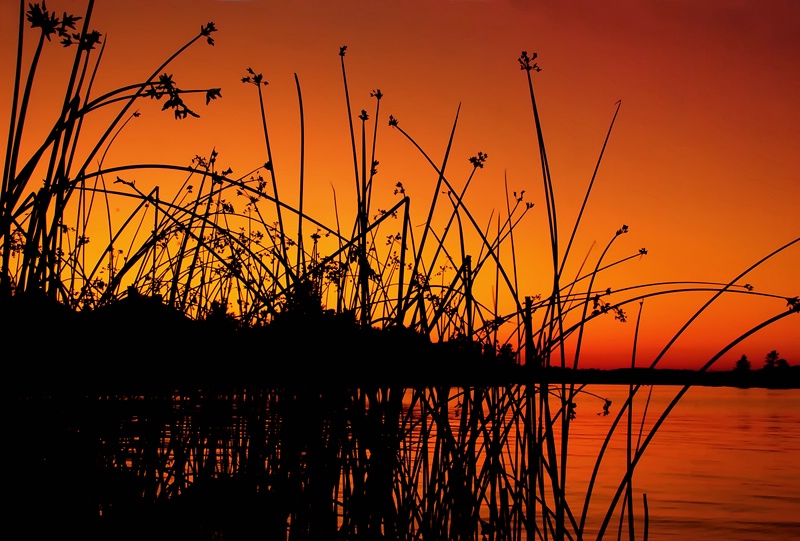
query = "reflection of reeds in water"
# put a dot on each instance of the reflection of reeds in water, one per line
(378, 460)
(430, 462)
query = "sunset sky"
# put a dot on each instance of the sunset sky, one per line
(703, 163)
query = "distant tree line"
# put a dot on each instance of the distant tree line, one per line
(772, 361)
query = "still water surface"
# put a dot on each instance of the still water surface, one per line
(724, 465)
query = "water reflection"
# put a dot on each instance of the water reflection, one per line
(430, 463)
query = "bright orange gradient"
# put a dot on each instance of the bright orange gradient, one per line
(703, 163)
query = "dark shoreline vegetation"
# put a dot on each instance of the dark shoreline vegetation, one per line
(221, 364)
(106, 358)
(121, 346)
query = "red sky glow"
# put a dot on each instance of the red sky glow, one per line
(703, 163)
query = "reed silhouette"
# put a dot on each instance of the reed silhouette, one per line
(228, 375)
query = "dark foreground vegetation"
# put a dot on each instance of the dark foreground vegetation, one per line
(140, 344)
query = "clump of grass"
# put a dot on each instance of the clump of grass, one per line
(45, 230)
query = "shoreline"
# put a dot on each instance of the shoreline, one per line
(787, 378)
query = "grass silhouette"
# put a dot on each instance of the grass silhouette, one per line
(291, 439)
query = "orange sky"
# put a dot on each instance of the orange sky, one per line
(703, 164)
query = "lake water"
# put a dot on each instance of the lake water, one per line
(724, 465)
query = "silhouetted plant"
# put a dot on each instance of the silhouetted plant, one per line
(41, 251)
(771, 360)
(742, 364)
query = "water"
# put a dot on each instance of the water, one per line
(724, 465)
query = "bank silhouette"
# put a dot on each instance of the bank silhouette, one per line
(139, 344)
